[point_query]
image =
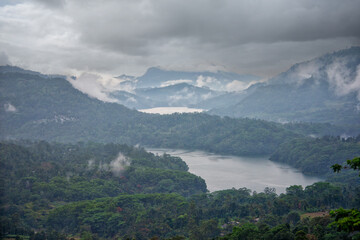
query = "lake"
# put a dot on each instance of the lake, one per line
(171, 110)
(224, 172)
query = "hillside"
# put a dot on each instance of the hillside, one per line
(47, 108)
(315, 156)
(156, 77)
(106, 191)
(324, 89)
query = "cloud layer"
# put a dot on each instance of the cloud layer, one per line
(113, 37)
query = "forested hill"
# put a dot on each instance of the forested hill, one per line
(35, 106)
(112, 191)
(323, 89)
(316, 156)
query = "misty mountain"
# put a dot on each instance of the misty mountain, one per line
(178, 95)
(131, 100)
(44, 108)
(157, 77)
(226, 98)
(325, 89)
(165, 88)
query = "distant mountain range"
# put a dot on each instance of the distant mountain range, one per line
(165, 88)
(322, 90)
(325, 89)
(157, 77)
(41, 107)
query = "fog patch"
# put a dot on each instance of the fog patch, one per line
(209, 82)
(342, 79)
(68, 176)
(345, 136)
(131, 100)
(121, 83)
(174, 82)
(9, 107)
(117, 166)
(103, 166)
(91, 164)
(92, 85)
(206, 96)
(183, 95)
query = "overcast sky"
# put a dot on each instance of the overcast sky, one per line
(260, 37)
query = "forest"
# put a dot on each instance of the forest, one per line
(100, 191)
(315, 156)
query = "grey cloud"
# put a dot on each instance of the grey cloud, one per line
(92, 84)
(134, 27)
(119, 164)
(114, 37)
(341, 79)
(52, 3)
(9, 107)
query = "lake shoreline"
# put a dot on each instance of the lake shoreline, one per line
(222, 172)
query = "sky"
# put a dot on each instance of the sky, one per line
(114, 37)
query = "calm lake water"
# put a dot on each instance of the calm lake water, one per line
(225, 172)
(171, 110)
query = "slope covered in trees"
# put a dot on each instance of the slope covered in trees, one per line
(316, 156)
(310, 91)
(97, 191)
(45, 108)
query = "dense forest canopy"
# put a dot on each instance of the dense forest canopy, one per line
(315, 156)
(111, 190)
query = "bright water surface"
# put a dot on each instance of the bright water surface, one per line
(171, 110)
(225, 172)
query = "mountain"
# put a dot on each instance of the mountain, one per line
(131, 100)
(178, 95)
(165, 88)
(157, 77)
(325, 89)
(44, 108)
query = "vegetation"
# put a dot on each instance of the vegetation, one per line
(59, 191)
(316, 156)
(347, 220)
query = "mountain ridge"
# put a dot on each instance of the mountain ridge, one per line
(323, 89)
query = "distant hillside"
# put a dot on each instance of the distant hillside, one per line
(324, 89)
(37, 107)
(315, 156)
(178, 95)
(156, 77)
(165, 88)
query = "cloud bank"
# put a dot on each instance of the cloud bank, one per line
(113, 37)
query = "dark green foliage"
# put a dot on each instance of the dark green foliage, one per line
(63, 190)
(147, 215)
(346, 220)
(37, 177)
(316, 156)
(353, 163)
